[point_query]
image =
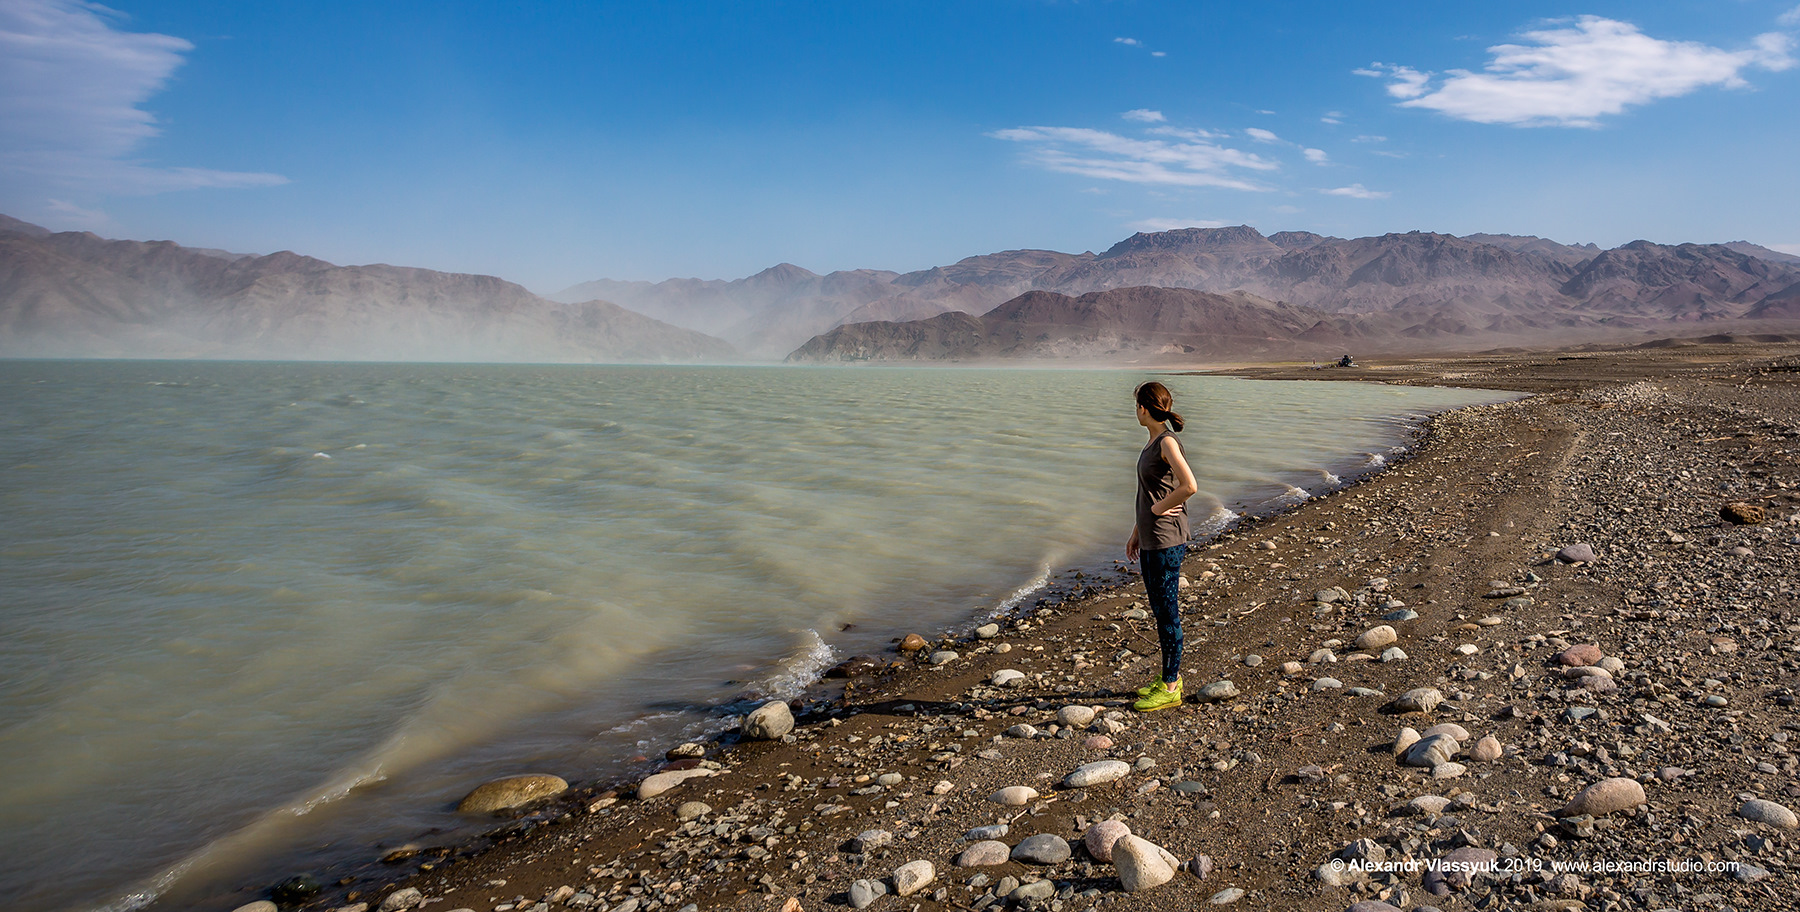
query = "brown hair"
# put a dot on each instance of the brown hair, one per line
(1158, 401)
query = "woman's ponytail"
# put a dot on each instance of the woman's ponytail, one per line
(1158, 401)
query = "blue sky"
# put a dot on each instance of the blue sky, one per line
(564, 142)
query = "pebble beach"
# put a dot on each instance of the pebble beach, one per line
(1546, 659)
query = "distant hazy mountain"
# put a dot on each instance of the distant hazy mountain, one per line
(78, 295)
(1482, 283)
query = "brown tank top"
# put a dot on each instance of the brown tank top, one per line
(1156, 478)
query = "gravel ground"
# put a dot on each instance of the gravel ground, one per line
(1632, 707)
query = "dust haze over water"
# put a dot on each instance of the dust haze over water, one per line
(266, 617)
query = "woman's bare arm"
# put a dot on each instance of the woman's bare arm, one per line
(1185, 486)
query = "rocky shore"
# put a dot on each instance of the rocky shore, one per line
(1547, 661)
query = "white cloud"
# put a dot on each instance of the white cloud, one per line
(1261, 135)
(1332, 117)
(1144, 115)
(1791, 17)
(1571, 76)
(1195, 161)
(1171, 224)
(1357, 191)
(1366, 138)
(1130, 41)
(1159, 53)
(1316, 156)
(72, 86)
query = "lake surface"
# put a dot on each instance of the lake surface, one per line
(260, 618)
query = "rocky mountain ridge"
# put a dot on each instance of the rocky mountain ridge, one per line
(1516, 283)
(75, 294)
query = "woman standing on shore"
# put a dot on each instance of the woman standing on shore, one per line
(1159, 537)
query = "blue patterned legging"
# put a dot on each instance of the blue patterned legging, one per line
(1162, 582)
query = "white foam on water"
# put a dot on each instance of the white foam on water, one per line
(1375, 460)
(802, 668)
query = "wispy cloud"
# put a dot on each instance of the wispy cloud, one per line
(1316, 156)
(1791, 17)
(72, 86)
(1144, 115)
(1261, 135)
(1357, 191)
(1171, 224)
(1332, 117)
(1133, 42)
(1368, 138)
(1573, 75)
(1191, 159)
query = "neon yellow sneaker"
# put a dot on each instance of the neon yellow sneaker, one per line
(1145, 690)
(1161, 696)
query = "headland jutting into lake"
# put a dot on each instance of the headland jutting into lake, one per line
(1578, 606)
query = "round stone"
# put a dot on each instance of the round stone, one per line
(1377, 637)
(913, 876)
(1605, 797)
(689, 810)
(984, 854)
(1044, 848)
(1075, 716)
(1098, 772)
(1763, 810)
(1008, 677)
(1100, 838)
(1014, 795)
(769, 721)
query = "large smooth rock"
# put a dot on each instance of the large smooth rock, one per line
(1431, 751)
(1014, 795)
(1580, 655)
(863, 893)
(913, 876)
(1008, 677)
(867, 840)
(261, 905)
(984, 853)
(1763, 810)
(1075, 716)
(1101, 837)
(691, 810)
(1098, 772)
(1404, 741)
(653, 786)
(1141, 864)
(769, 721)
(1419, 699)
(1447, 728)
(1487, 750)
(1217, 691)
(511, 792)
(1044, 848)
(1377, 637)
(1605, 797)
(401, 899)
(1578, 553)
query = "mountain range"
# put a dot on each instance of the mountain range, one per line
(74, 294)
(1241, 294)
(1484, 286)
